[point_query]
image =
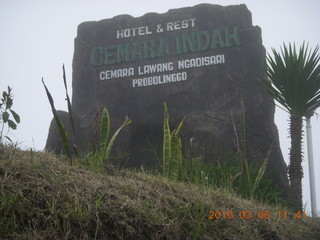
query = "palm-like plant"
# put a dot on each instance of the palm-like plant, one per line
(293, 79)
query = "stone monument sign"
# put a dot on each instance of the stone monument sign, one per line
(204, 62)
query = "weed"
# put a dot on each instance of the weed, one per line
(7, 216)
(98, 221)
(250, 185)
(201, 219)
(172, 148)
(75, 147)
(62, 131)
(98, 158)
(236, 175)
(6, 112)
(197, 171)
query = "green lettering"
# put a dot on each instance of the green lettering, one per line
(217, 39)
(203, 40)
(149, 51)
(96, 57)
(136, 52)
(109, 54)
(159, 47)
(189, 42)
(232, 36)
(123, 52)
(178, 44)
(164, 47)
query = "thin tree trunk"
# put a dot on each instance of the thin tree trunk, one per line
(295, 168)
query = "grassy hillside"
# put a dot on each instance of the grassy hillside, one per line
(43, 197)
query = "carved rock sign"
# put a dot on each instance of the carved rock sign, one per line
(204, 61)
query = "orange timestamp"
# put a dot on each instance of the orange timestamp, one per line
(255, 215)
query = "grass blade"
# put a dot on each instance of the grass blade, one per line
(180, 125)
(176, 156)
(231, 180)
(75, 148)
(127, 121)
(260, 173)
(104, 132)
(166, 153)
(62, 131)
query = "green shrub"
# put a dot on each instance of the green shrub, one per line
(8, 118)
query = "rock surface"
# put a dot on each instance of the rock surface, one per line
(213, 57)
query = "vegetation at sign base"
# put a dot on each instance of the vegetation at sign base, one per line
(246, 179)
(43, 197)
(97, 157)
(175, 164)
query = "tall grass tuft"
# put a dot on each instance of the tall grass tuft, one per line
(172, 148)
(250, 186)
